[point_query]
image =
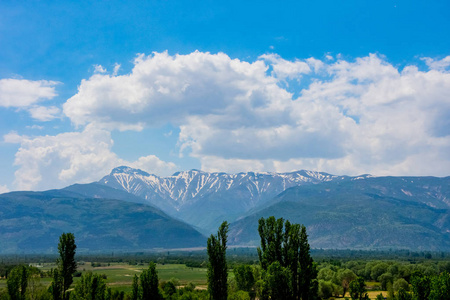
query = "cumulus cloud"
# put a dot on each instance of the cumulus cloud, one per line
(43, 113)
(360, 116)
(287, 69)
(56, 161)
(437, 64)
(23, 93)
(164, 88)
(13, 137)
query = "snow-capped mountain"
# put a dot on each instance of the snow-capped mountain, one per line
(205, 199)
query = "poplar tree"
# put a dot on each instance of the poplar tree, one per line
(217, 266)
(308, 285)
(56, 286)
(67, 266)
(135, 288)
(287, 245)
(17, 283)
(149, 283)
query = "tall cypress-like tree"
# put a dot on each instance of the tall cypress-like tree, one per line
(56, 287)
(291, 255)
(17, 283)
(135, 288)
(149, 283)
(271, 234)
(217, 267)
(308, 271)
(287, 245)
(67, 265)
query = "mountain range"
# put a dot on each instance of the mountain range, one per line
(130, 209)
(374, 213)
(206, 199)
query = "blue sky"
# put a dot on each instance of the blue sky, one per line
(345, 87)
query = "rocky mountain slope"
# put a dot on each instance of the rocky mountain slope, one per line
(381, 213)
(206, 199)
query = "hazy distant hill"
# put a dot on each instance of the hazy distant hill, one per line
(206, 199)
(383, 212)
(33, 222)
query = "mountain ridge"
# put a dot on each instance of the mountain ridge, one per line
(366, 215)
(187, 191)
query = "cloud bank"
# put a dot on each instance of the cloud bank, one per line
(339, 116)
(355, 116)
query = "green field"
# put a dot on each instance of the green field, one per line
(120, 275)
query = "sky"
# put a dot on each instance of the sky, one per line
(345, 87)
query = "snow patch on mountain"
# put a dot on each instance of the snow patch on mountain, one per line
(185, 187)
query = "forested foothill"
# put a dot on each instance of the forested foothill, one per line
(282, 267)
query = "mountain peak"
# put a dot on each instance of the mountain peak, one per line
(128, 170)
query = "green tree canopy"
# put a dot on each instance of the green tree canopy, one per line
(243, 275)
(149, 283)
(17, 283)
(90, 287)
(217, 267)
(287, 244)
(67, 265)
(358, 289)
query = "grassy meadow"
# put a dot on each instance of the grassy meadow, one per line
(120, 275)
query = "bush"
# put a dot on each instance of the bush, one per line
(325, 289)
(239, 295)
(401, 283)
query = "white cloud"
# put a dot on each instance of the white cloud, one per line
(99, 69)
(163, 88)
(3, 189)
(440, 65)
(361, 116)
(23, 93)
(283, 69)
(56, 161)
(43, 113)
(13, 137)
